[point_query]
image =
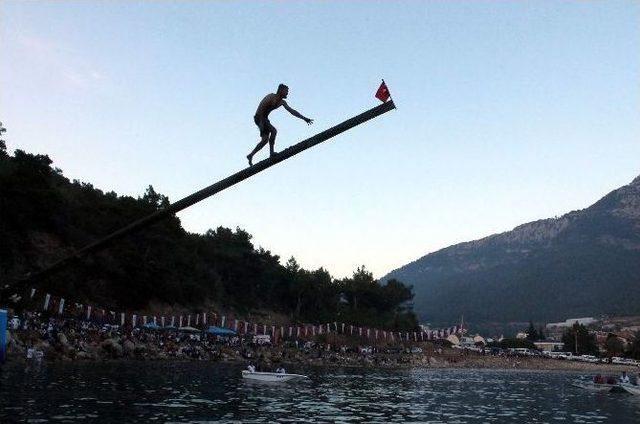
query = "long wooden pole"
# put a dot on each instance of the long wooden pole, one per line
(219, 186)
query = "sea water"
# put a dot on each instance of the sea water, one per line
(202, 392)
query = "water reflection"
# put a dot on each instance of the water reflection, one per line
(202, 392)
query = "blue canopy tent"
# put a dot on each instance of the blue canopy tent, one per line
(151, 326)
(219, 331)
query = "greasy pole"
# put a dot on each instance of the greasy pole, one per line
(219, 186)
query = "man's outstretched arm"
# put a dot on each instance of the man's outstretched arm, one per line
(296, 113)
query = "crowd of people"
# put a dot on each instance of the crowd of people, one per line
(74, 338)
(37, 335)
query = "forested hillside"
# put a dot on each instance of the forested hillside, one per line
(44, 216)
(584, 263)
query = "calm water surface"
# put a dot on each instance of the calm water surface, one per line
(204, 392)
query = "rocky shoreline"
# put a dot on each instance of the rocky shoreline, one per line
(122, 348)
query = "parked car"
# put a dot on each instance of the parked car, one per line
(565, 355)
(623, 361)
(588, 358)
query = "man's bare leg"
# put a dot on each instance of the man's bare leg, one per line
(260, 145)
(272, 142)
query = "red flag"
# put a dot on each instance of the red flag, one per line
(383, 92)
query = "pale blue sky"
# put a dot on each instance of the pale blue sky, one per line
(507, 112)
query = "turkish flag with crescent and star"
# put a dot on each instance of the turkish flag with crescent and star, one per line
(383, 92)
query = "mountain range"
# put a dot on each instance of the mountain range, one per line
(584, 263)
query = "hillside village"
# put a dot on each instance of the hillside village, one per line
(616, 340)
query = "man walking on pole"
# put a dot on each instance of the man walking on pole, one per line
(267, 131)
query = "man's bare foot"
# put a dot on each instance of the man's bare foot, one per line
(272, 153)
(249, 158)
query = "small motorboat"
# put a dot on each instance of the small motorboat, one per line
(596, 387)
(631, 388)
(271, 376)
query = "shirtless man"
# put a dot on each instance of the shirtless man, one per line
(267, 131)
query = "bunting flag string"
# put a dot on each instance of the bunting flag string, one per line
(60, 306)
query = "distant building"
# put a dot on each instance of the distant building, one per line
(570, 322)
(554, 330)
(549, 345)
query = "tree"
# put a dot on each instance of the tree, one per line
(292, 265)
(586, 342)
(541, 335)
(532, 334)
(157, 200)
(614, 346)
(634, 351)
(3, 145)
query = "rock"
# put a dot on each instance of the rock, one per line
(129, 347)
(84, 355)
(112, 347)
(42, 345)
(62, 339)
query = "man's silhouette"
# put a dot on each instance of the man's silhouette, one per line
(267, 131)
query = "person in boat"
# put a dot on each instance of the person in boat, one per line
(251, 368)
(268, 133)
(624, 379)
(260, 365)
(280, 370)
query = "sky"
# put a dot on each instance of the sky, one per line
(507, 112)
